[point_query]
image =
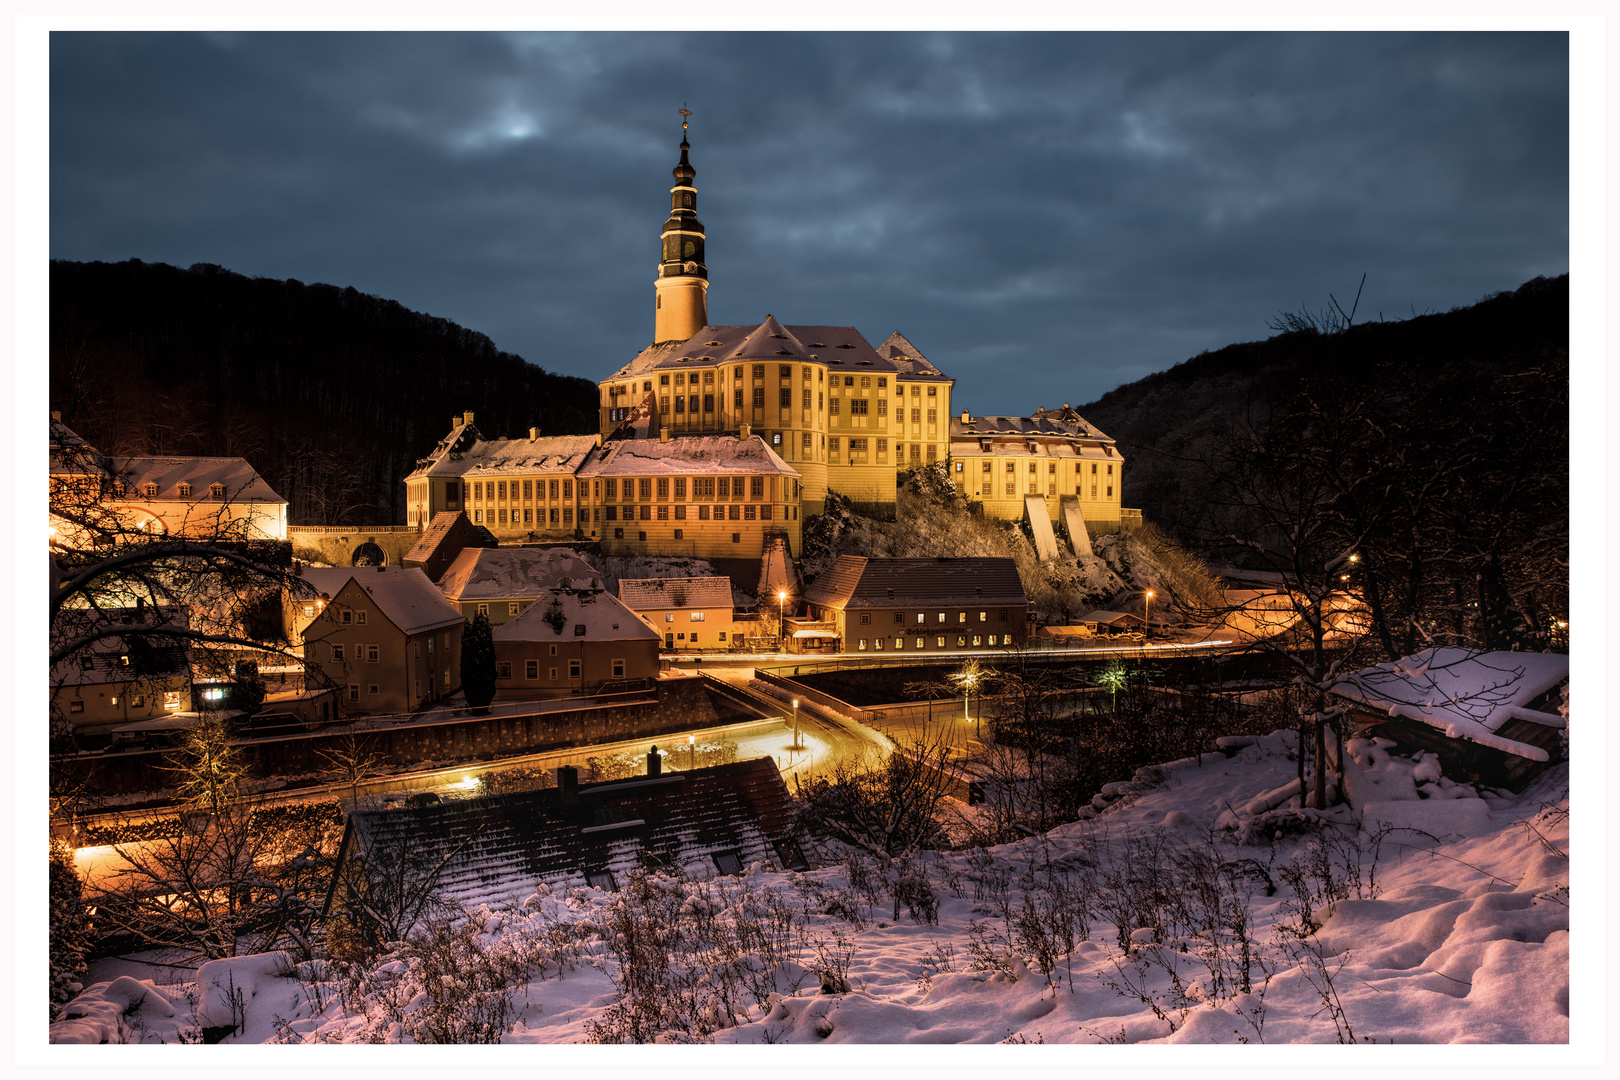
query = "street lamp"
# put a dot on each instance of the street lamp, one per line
(1147, 598)
(691, 752)
(781, 617)
(796, 745)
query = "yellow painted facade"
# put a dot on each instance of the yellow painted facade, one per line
(999, 462)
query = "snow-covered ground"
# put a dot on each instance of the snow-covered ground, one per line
(1200, 910)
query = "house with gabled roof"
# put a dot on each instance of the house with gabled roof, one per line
(197, 497)
(1490, 717)
(121, 677)
(499, 583)
(499, 850)
(921, 605)
(575, 639)
(689, 613)
(385, 636)
(449, 534)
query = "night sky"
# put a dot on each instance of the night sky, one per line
(1046, 216)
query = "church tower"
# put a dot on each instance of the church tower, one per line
(681, 304)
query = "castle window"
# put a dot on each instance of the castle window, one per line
(787, 398)
(932, 390)
(883, 406)
(663, 380)
(916, 416)
(785, 370)
(663, 487)
(737, 399)
(708, 402)
(610, 489)
(832, 446)
(857, 406)
(849, 380)
(217, 491)
(644, 487)
(807, 374)
(759, 397)
(680, 377)
(759, 371)
(680, 513)
(663, 513)
(808, 441)
(1032, 468)
(185, 491)
(646, 512)
(756, 487)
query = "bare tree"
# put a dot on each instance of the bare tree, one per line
(889, 806)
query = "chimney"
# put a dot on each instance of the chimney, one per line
(744, 432)
(655, 764)
(467, 417)
(534, 433)
(57, 417)
(966, 419)
(663, 434)
(568, 784)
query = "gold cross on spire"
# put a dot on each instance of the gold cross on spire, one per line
(684, 114)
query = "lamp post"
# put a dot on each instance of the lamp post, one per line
(796, 724)
(691, 752)
(1147, 599)
(781, 618)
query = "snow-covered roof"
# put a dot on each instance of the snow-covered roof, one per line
(1043, 427)
(241, 482)
(513, 573)
(500, 849)
(653, 594)
(1109, 618)
(474, 457)
(684, 456)
(404, 595)
(600, 613)
(854, 581)
(104, 660)
(1466, 694)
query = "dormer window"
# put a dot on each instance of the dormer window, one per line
(149, 490)
(185, 491)
(217, 491)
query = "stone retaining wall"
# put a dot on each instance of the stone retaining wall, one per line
(680, 704)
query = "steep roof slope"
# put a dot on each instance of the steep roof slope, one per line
(404, 595)
(645, 594)
(512, 573)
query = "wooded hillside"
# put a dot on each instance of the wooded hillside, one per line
(331, 394)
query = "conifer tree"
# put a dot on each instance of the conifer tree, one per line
(478, 662)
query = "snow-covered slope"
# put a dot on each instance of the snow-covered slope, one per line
(1194, 907)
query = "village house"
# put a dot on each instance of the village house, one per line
(499, 583)
(384, 636)
(449, 533)
(195, 497)
(1056, 456)
(688, 613)
(499, 850)
(1492, 718)
(574, 640)
(921, 605)
(119, 680)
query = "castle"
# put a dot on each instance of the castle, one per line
(715, 439)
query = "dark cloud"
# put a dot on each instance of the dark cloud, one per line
(1046, 216)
